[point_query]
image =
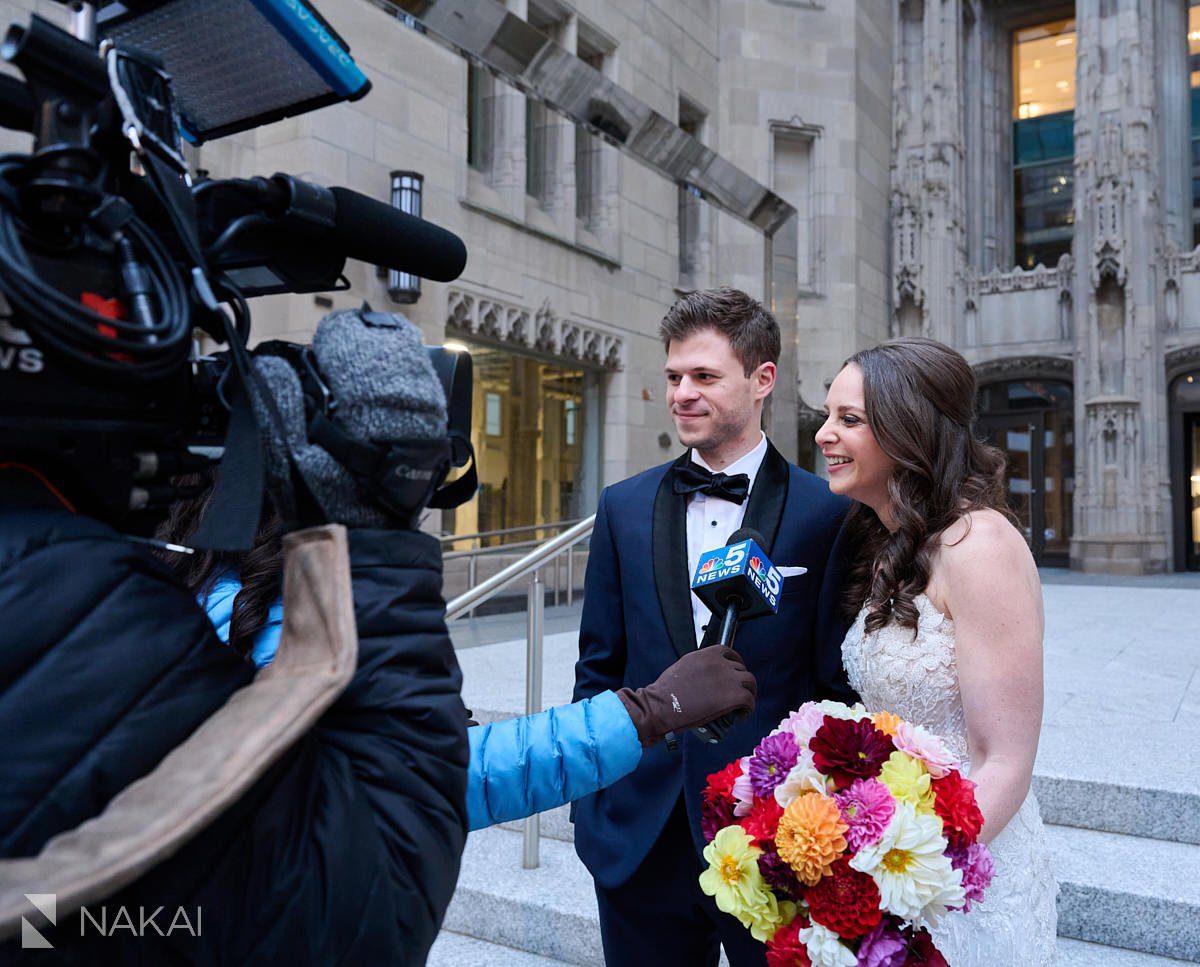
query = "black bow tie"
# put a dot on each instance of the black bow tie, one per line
(691, 478)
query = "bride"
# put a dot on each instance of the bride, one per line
(949, 605)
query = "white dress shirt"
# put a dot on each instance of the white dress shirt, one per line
(710, 521)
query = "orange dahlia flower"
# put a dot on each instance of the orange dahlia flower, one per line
(811, 836)
(886, 722)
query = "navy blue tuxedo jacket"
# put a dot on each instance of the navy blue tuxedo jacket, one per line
(637, 620)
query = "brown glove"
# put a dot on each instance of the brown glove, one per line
(702, 686)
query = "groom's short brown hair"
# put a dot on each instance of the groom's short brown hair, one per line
(752, 331)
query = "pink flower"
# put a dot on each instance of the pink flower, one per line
(743, 791)
(803, 723)
(922, 744)
(867, 807)
(883, 947)
(975, 861)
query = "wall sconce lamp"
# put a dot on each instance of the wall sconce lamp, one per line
(406, 196)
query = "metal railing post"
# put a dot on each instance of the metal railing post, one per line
(472, 573)
(570, 575)
(533, 698)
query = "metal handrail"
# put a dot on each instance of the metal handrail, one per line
(531, 564)
(484, 551)
(518, 569)
(455, 538)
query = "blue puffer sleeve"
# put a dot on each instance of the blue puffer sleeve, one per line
(522, 766)
(218, 605)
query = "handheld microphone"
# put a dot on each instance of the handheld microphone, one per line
(738, 583)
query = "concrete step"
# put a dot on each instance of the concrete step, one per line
(457, 950)
(1128, 891)
(1138, 782)
(549, 911)
(1078, 953)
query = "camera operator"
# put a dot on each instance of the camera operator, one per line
(347, 849)
(519, 766)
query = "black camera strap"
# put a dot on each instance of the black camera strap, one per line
(231, 523)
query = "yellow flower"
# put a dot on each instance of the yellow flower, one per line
(908, 781)
(811, 836)
(886, 722)
(734, 881)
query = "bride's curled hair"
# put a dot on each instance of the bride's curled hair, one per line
(920, 403)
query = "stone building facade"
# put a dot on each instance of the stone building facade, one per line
(1091, 345)
(1013, 178)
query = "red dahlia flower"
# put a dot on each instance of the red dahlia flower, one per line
(721, 783)
(954, 802)
(785, 948)
(762, 821)
(846, 901)
(922, 952)
(846, 750)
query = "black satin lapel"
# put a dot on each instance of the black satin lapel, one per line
(764, 509)
(668, 549)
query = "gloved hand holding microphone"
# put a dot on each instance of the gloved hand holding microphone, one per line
(704, 685)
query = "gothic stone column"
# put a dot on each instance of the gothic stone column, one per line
(1121, 517)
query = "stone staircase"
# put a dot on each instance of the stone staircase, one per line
(1117, 777)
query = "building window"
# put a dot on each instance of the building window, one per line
(1194, 73)
(588, 148)
(1043, 142)
(531, 442)
(542, 134)
(693, 212)
(792, 180)
(479, 117)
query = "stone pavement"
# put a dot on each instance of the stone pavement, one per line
(1118, 777)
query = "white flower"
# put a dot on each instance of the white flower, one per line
(856, 712)
(802, 777)
(910, 867)
(825, 948)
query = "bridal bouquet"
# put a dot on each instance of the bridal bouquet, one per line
(842, 837)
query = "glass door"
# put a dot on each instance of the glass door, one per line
(1191, 437)
(1020, 437)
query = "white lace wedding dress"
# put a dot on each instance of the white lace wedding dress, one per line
(917, 679)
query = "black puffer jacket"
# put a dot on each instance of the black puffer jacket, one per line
(346, 851)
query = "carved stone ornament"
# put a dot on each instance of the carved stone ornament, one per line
(1024, 367)
(1180, 360)
(1025, 280)
(475, 314)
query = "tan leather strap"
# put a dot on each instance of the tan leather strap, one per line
(154, 816)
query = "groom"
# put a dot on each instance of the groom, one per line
(641, 838)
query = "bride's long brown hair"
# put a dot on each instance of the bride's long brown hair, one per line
(920, 403)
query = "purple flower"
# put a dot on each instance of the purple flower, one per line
(779, 875)
(867, 807)
(715, 814)
(883, 947)
(771, 762)
(975, 861)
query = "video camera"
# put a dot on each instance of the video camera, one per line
(111, 259)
